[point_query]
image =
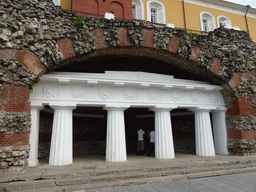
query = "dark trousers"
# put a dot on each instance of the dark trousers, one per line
(151, 150)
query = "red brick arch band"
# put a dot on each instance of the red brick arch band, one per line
(16, 98)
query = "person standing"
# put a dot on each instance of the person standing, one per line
(152, 143)
(140, 142)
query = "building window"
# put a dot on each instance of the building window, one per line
(134, 11)
(137, 9)
(205, 25)
(155, 12)
(154, 15)
(207, 22)
(224, 21)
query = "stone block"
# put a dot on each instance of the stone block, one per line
(72, 181)
(126, 176)
(18, 153)
(3, 165)
(95, 185)
(15, 186)
(133, 182)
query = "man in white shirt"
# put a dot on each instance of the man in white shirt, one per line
(152, 143)
(140, 142)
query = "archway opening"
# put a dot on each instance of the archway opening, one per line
(183, 128)
(90, 123)
(89, 131)
(135, 119)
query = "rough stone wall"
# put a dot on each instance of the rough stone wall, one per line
(36, 36)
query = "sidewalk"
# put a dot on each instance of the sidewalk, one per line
(94, 172)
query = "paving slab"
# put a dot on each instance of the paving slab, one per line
(186, 186)
(134, 188)
(162, 188)
(121, 189)
(148, 188)
(198, 185)
(108, 190)
(230, 185)
(175, 186)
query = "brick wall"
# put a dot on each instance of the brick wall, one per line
(14, 139)
(121, 8)
(14, 98)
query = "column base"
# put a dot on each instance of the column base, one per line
(33, 164)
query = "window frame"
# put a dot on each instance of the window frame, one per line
(139, 9)
(211, 24)
(225, 18)
(160, 9)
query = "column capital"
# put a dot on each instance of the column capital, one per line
(63, 106)
(200, 109)
(163, 108)
(116, 107)
(36, 106)
(219, 110)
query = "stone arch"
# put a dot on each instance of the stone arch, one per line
(22, 64)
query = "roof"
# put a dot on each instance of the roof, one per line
(230, 5)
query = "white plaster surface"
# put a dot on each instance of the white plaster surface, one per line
(117, 91)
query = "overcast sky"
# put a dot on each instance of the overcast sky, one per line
(244, 2)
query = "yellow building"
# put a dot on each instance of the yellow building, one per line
(199, 15)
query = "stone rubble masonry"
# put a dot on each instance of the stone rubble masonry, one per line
(13, 72)
(27, 58)
(14, 156)
(36, 37)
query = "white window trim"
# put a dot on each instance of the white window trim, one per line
(149, 10)
(140, 17)
(222, 16)
(201, 20)
(57, 2)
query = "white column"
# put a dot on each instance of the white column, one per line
(220, 131)
(116, 144)
(34, 135)
(164, 148)
(203, 131)
(61, 151)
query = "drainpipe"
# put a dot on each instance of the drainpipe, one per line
(71, 5)
(248, 7)
(184, 14)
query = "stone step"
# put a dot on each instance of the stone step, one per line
(126, 178)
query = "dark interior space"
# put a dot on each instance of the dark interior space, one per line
(142, 64)
(90, 127)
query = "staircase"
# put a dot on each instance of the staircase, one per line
(80, 177)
